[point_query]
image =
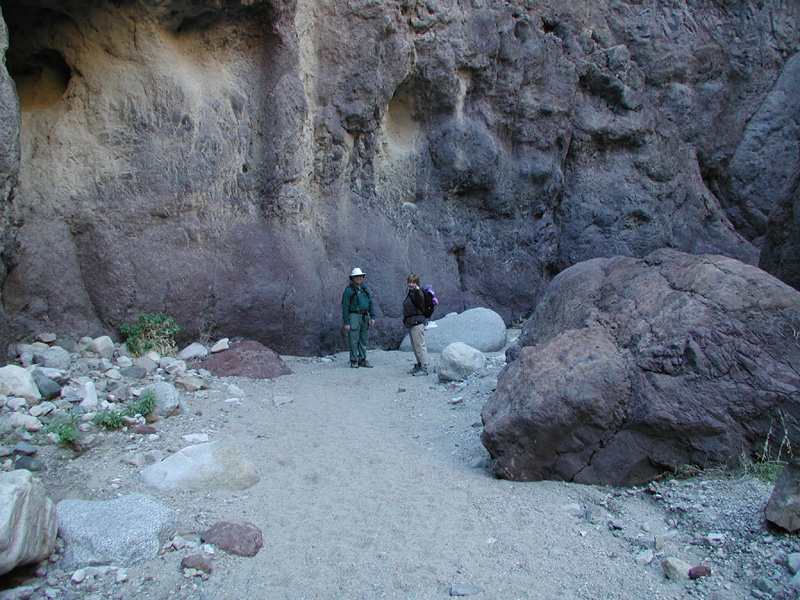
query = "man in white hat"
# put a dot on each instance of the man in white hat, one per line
(358, 316)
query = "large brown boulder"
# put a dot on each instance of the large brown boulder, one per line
(246, 359)
(630, 367)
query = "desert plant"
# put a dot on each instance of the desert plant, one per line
(65, 429)
(143, 406)
(152, 332)
(109, 419)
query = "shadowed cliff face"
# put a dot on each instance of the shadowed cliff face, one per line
(229, 162)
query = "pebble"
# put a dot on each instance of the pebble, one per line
(464, 589)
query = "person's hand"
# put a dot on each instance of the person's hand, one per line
(371, 322)
(347, 327)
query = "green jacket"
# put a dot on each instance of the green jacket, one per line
(356, 299)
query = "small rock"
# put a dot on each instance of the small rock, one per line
(221, 345)
(464, 589)
(793, 562)
(133, 372)
(25, 448)
(243, 539)
(102, 346)
(26, 422)
(144, 429)
(192, 383)
(675, 569)
(30, 464)
(595, 514)
(699, 571)
(199, 562)
(279, 400)
(195, 350)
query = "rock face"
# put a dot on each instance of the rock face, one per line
(632, 366)
(229, 163)
(780, 254)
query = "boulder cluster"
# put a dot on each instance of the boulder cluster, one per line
(70, 393)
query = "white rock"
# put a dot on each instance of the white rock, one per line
(458, 361)
(194, 350)
(26, 422)
(87, 394)
(481, 328)
(218, 465)
(123, 362)
(221, 345)
(176, 366)
(45, 408)
(16, 381)
(167, 398)
(16, 403)
(676, 569)
(102, 346)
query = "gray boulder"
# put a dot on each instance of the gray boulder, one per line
(168, 399)
(783, 508)
(632, 367)
(53, 358)
(481, 328)
(124, 531)
(458, 361)
(217, 465)
(27, 520)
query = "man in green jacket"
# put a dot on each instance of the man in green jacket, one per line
(358, 316)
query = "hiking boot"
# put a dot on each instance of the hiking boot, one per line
(353, 365)
(363, 363)
(415, 368)
(423, 370)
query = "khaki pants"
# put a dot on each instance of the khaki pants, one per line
(417, 335)
(358, 337)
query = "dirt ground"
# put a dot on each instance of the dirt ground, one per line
(374, 484)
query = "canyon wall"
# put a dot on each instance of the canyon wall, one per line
(229, 161)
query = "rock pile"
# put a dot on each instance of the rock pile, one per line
(70, 393)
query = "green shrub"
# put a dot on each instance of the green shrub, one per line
(109, 419)
(143, 406)
(152, 332)
(65, 429)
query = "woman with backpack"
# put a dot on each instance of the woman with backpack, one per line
(414, 319)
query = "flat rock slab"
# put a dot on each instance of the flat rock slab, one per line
(124, 531)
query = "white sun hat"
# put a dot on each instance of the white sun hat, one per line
(357, 272)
